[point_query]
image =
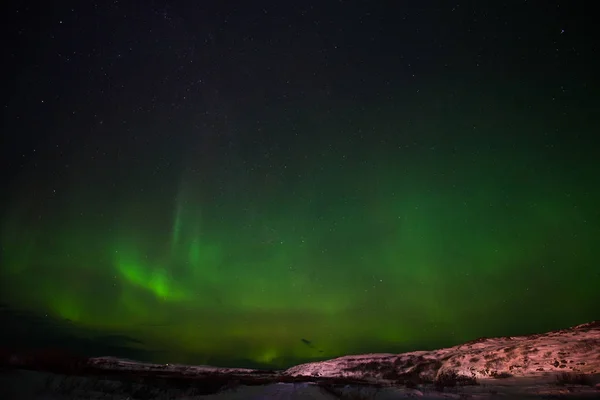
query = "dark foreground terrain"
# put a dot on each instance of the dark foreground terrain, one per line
(559, 364)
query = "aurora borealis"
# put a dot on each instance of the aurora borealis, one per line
(274, 185)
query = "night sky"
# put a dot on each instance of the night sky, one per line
(265, 183)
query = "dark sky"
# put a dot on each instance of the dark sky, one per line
(271, 182)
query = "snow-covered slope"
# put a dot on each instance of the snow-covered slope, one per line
(119, 364)
(563, 363)
(575, 350)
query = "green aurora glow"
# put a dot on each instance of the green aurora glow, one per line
(398, 255)
(265, 186)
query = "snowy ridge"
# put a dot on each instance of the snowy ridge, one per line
(112, 363)
(563, 363)
(573, 350)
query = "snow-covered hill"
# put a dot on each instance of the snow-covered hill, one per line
(562, 363)
(575, 351)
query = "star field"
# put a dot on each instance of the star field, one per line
(266, 183)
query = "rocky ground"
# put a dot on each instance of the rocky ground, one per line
(563, 363)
